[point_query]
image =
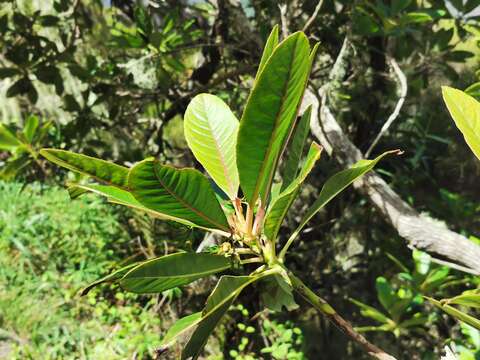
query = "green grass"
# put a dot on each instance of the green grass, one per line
(50, 247)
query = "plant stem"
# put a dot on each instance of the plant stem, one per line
(249, 220)
(251, 260)
(245, 251)
(322, 306)
(284, 250)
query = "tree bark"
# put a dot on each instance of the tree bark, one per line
(421, 231)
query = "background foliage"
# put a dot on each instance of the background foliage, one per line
(113, 79)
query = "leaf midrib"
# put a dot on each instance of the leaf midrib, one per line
(176, 275)
(220, 154)
(274, 133)
(152, 212)
(182, 201)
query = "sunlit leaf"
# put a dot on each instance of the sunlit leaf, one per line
(270, 45)
(466, 299)
(465, 111)
(460, 315)
(211, 133)
(179, 193)
(97, 169)
(370, 312)
(386, 295)
(269, 115)
(116, 275)
(30, 127)
(8, 141)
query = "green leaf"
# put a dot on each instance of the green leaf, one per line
(114, 276)
(458, 56)
(3, 23)
(465, 111)
(218, 303)
(336, 184)
(180, 327)
(434, 279)
(143, 20)
(399, 5)
(20, 87)
(416, 18)
(270, 114)
(8, 72)
(466, 299)
(112, 193)
(370, 312)
(166, 272)
(384, 327)
(422, 261)
(466, 318)
(281, 204)
(385, 293)
(13, 166)
(97, 169)
(474, 90)
(364, 23)
(270, 45)
(211, 133)
(179, 193)
(417, 319)
(49, 20)
(277, 294)
(71, 103)
(295, 148)
(48, 74)
(121, 197)
(8, 141)
(30, 127)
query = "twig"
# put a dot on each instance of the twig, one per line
(323, 307)
(253, 260)
(208, 240)
(283, 19)
(142, 248)
(314, 15)
(402, 85)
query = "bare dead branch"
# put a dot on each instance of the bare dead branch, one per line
(283, 19)
(311, 19)
(421, 231)
(402, 87)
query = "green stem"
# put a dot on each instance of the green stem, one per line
(322, 306)
(284, 250)
(251, 260)
(245, 251)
